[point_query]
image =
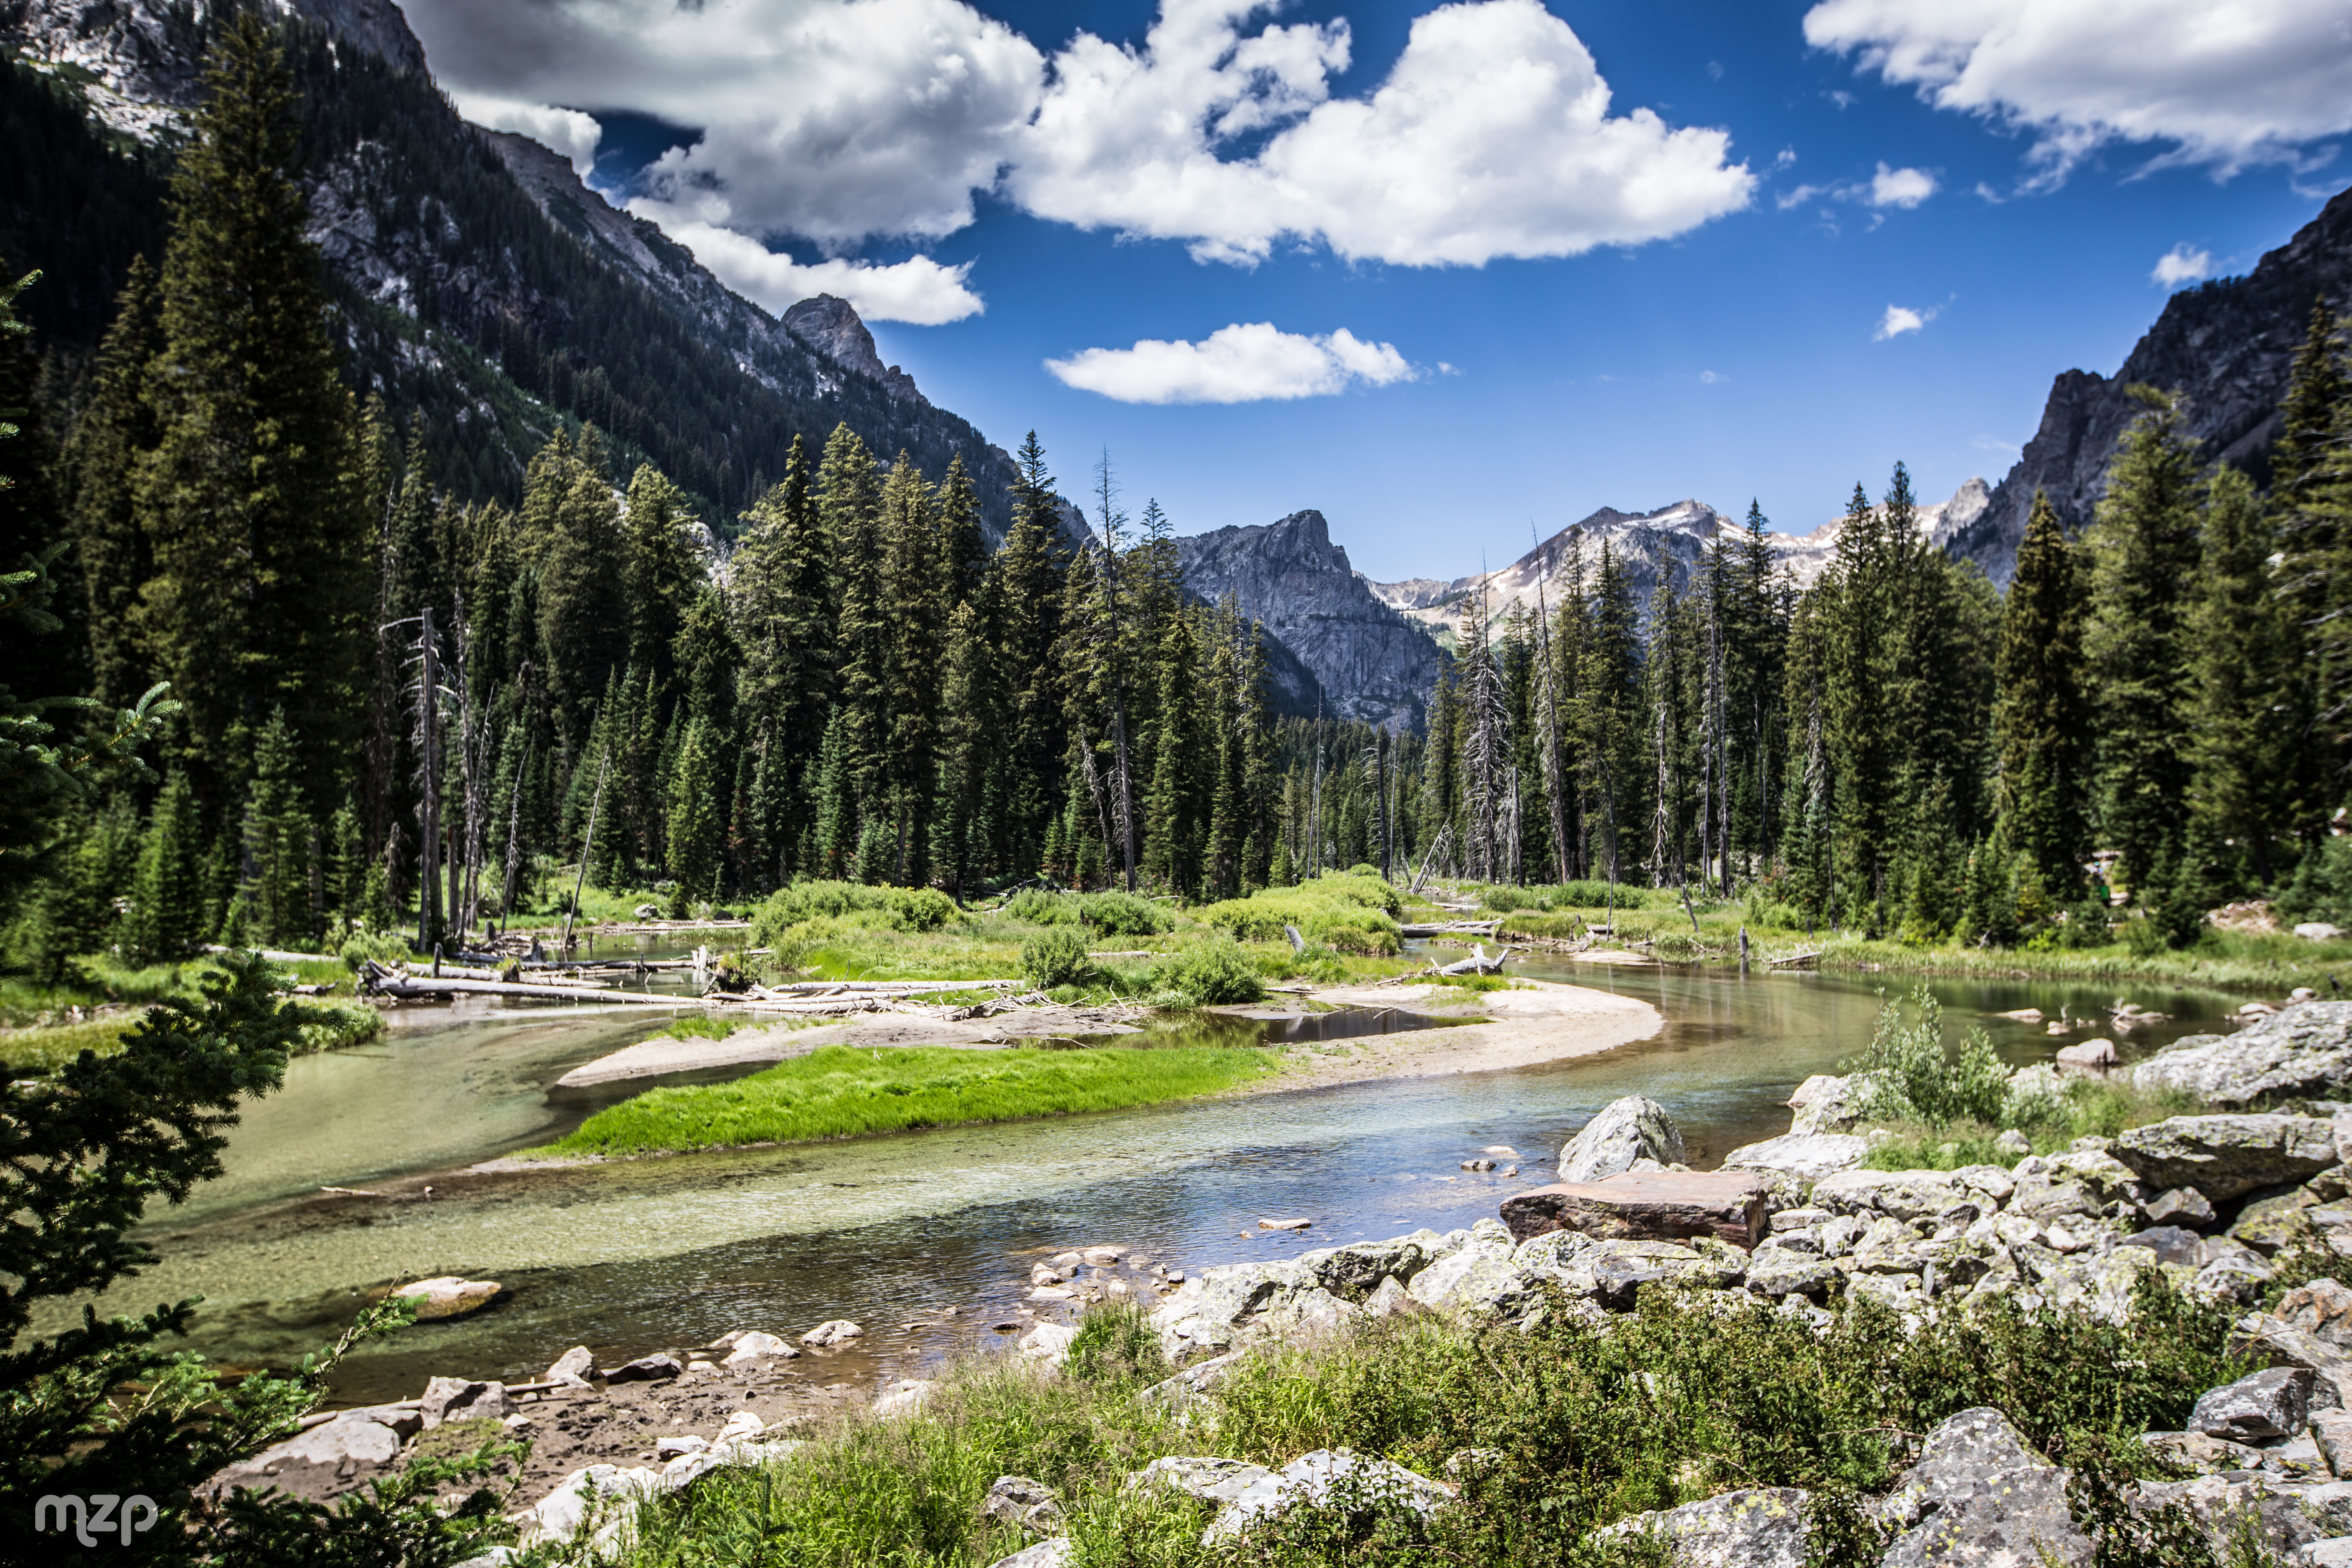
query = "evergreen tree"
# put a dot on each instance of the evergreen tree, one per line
(959, 825)
(2144, 559)
(1609, 730)
(2311, 511)
(275, 888)
(1025, 596)
(2240, 741)
(661, 569)
(584, 621)
(697, 824)
(166, 921)
(1173, 812)
(115, 429)
(2042, 720)
(916, 574)
(251, 503)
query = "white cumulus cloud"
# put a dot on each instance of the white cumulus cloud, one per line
(2183, 263)
(2226, 82)
(1900, 187)
(1239, 363)
(917, 290)
(1899, 320)
(1491, 137)
(567, 130)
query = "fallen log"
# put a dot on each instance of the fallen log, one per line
(1477, 962)
(1792, 960)
(388, 982)
(1450, 928)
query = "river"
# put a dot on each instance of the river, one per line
(641, 1255)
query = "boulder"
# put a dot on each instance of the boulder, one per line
(1210, 1480)
(905, 1397)
(1026, 1504)
(1903, 1195)
(1477, 1277)
(448, 1296)
(2179, 1207)
(1048, 1342)
(2199, 1451)
(2274, 1404)
(2303, 1049)
(2090, 1056)
(1634, 1128)
(1353, 1273)
(2283, 1517)
(1214, 1311)
(1778, 1272)
(346, 1444)
(754, 1344)
(1058, 1552)
(577, 1364)
(646, 1369)
(1646, 1206)
(2169, 1242)
(2013, 1144)
(1618, 1269)
(1762, 1527)
(1808, 1156)
(1979, 1494)
(456, 1399)
(832, 1331)
(606, 1495)
(1825, 1103)
(2322, 1309)
(2228, 1156)
(1333, 1479)
(2318, 930)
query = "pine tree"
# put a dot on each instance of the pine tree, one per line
(584, 621)
(2311, 512)
(2240, 742)
(695, 825)
(2144, 559)
(851, 506)
(274, 890)
(959, 825)
(166, 923)
(2042, 723)
(1174, 811)
(1610, 732)
(916, 583)
(1025, 596)
(251, 503)
(116, 428)
(661, 570)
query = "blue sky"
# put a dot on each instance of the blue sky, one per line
(1540, 316)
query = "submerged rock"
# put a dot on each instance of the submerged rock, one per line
(448, 1296)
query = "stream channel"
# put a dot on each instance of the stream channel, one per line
(641, 1255)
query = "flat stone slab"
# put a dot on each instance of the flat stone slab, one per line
(1646, 1206)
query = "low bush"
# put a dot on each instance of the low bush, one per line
(1123, 914)
(1916, 1076)
(914, 910)
(1035, 906)
(1056, 957)
(1350, 914)
(379, 947)
(1214, 974)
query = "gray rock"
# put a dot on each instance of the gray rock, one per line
(1018, 1501)
(1633, 1127)
(2169, 1242)
(646, 1369)
(577, 1364)
(2274, 1404)
(1212, 1480)
(2331, 1430)
(450, 1296)
(2305, 1050)
(1331, 1479)
(1352, 1273)
(2228, 1156)
(1826, 1103)
(2322, 1309)
(1777, 1272)
(1979, 1494)
(346, 1444)
(2198, 1451)
(1213, 1313)
(1058, 1552)
(2283, 1517)
(456, 1399)
(1808, 1156)
(832, 1331)
(2181, 1206)
(2333, 1552)
(1761, 1528)
(2013, 1144)
(1903, 1195)
(754, 1344)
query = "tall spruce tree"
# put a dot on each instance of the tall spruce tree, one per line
(115, 430)
(2240, 723)
(2042, 723)
(280, 843)
(251, 501)
(166, 919)
(2145, 559)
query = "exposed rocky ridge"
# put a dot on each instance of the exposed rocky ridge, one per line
(2228, 344)
(1370, 661)
(832, 327)
(408, 208)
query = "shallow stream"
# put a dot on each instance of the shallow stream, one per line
(640, 1255)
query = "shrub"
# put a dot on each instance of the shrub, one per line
(850, 903)
(1038, 907)
(1364, 905)
(1361, 869)
(1122, 914)
(1216, 974)
(1056, 957)
(359, 948)
(1918, 1078)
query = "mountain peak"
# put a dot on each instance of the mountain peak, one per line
(832, 327)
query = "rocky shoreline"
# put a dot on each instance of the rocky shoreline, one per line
(2216, 1202)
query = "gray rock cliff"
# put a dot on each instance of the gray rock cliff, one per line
(1370, 662)
(2229, 344)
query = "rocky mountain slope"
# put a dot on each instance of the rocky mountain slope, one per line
(483, 285)
(2228, 344)
(1370, 661)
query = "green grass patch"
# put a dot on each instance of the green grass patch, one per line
(707, 1027)
(840, 1091)
(1347, 914)
(43, 1044)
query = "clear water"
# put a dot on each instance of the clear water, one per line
(650, 1254)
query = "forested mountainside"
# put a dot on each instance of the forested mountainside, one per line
(2229, 346)
(1370, 663)
(476, 288)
